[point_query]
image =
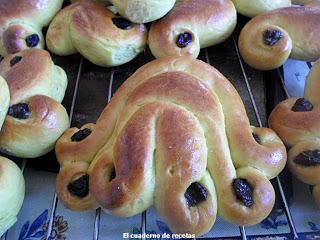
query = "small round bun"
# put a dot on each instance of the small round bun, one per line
(251, 8)
(12, 192)
(269, 39)
(4, 100)
(141, 11)
(94, 31)
(21, 22)
(192, 25)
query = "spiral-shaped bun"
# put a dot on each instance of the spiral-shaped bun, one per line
(269, 39)
(94, 31)
(297, 121)
(191, 25)
(251, 8)
(170, 138)
(21, 22)
(35, 119)
(11, 193)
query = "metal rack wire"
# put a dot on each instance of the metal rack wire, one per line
(143, 224)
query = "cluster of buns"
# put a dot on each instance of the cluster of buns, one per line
(297, 122)
(34, 117)
(21, 23)
(11, 193)
(170, 138)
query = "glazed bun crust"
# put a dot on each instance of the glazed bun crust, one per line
(209, 23)
(36, 118)
(252, 8)
(34, 74)
(23, 18)
(88, 28)
(4, 100)
(268, 40)
(12, 191)
(35, 136)
(169, 138)
(297, 121)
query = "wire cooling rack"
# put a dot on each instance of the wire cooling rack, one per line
(91, 88)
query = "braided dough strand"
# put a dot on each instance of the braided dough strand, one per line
(169, 145)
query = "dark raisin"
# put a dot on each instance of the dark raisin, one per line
(81, 135)
(122, 23)
(243, 191)
(32, 40)
(308, 158)
(15, 60)
(112, 175)
(256, 137)
(184, 39)
(80, 187)
(1, 58)
(302, 105)
(195, 194)
(272, 37)
(20, 111)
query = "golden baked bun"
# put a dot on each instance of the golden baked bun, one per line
(35, 119)
(4, 100)
(141, 11)
(170, 138)
(251, 8)
(297, 122)
(72, 183)
(21, 22)
(269, 39)
(95, 32)
(191, 25)
(12, 190)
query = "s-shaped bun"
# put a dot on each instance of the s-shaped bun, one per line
(269, 39)
(36, 118)
(21, 23)
(94, 31)
(297, 121)
(192, 25)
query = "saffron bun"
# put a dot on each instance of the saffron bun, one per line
(35, 118)
(21, 23)
(192, 25)
(170, 138)
(96, 33)
(269, 39)
(12, 191)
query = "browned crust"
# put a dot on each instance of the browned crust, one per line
(169, 125)
(214, 19)
(34, 69)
